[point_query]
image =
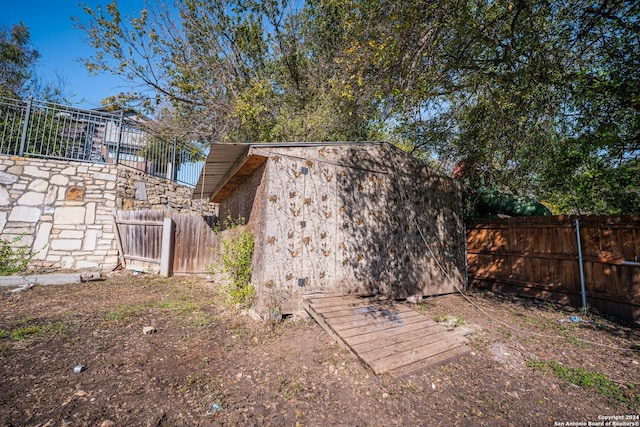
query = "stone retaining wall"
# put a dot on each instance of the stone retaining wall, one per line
(65, 210)
(137, 190)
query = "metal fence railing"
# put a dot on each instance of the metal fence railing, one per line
(42, 129)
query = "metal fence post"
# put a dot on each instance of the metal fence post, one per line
(120, 129)
(174, 170)
(23, 139)
(583, 289)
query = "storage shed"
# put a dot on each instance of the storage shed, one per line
(339, 218)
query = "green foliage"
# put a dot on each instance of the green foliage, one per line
(536, 100)
(423, 307)
(124, 312)
(235, 261)
(537, 364)
(17, 59)
(585, 378)
(231, 70)
(528, 99)
(450, 321)
(13, 259)
(17, 62)
(25, 331)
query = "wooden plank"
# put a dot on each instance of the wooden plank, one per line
(616, 244)
(375, 335)
(430, 362)
(142, 259)
(324, 325)
(407, 345)
(392, 323)
(374, 322)
(351, 306)
(571, 279)
(119, 245)
(381, 341)
(537, 255)
(243, 168)
(598, 277)
(314, 297)
(407, 357)
(347, 301)
(527, 227)
(391, 338)
(347, 315)
(335, 307)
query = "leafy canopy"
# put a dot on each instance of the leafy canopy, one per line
(18, 79)
(533, 98)
(17, 59)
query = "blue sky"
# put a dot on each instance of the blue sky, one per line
(60, 45)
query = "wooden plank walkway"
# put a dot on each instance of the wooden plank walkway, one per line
(388, 337)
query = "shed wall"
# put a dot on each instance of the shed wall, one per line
(244, 201)
(349, 220)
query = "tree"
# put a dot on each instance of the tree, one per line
(533, 98)
(17, 59)
(231, 70)
(56, 90)
(18, 78)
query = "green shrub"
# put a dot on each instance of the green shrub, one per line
(235, 262)
(13, 259)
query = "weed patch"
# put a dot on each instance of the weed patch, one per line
(587, 379)
(450, 321)
(235, 260)
(126, 311)
(422, 307)
(577, 342)
(29, 331)
(25, 331)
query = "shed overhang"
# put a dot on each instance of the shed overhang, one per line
(217, 178)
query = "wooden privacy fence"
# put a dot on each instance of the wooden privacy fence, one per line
(540, 257)
(140, 236)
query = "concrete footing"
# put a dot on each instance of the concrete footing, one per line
(48, 279)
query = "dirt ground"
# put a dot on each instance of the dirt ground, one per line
(206, 365)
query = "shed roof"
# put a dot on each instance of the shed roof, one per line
(227, 165)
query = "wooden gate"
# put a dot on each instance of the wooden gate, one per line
(140, 239)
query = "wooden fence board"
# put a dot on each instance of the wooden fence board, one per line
(538, 256)
(141, 235)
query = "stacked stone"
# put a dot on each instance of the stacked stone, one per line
(63, 210)
(137, 190)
